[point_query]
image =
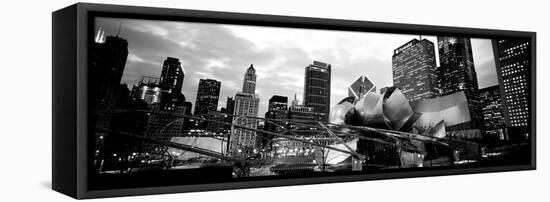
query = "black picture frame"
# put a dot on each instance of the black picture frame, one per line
(71, 125)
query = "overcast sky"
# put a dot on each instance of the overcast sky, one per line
(279, 55)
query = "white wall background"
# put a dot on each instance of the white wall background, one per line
(25, 99)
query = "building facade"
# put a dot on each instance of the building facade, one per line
(208, 95)
(414, 69)
(172, 75)
(215, 127)
(148, 90)
(108, 55)
(513, 63)
(246, 105)
(494, 124)
(230, 105)
(457, 73)
(164, 122)
(108, 59)
(304, 113)
(277, 113)
(317, 88)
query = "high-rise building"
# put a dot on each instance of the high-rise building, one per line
(317, 88)
(229, 109)
(494, 126)
(230, 105)
(148, 90)
(208, 95)
(108, 60)
(414, 69)
(457, 73)
(303, 113)
(171, 81)
(276, 116)
(216, 127)
(360, 87)
(172, 75)
(277, 102)
(246, 105)
(299, 113)
(162, 123)
(513, 62)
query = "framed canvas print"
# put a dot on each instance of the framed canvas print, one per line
(154, 100)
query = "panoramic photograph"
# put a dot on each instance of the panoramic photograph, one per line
(189, 103)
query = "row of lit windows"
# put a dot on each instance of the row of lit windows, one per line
(519, 119)
(521, 114)
(515, 92)
(513, 68)
(524, 110)
(521, 46)
(511, 55)
(510, 72)
(520, 124)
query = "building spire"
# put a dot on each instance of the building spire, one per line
(249, 83)
(119, 26)
(295, 101)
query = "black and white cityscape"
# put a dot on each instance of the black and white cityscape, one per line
(189, 103)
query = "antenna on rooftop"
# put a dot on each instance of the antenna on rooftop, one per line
(119, 26)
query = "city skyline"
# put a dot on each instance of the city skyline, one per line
(424, 92)
(209, 51)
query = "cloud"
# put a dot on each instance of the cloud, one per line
(279, 55)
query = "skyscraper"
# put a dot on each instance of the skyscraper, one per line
(217, 127)
(148, 90)
(108, 60)
(513, 63)
(304, 113)
(229, 109)
(208, 94)
(230, 105)
(494, 126)
(171, 82)
(246, 104)
(108, 57)
(278, 102)
(414, 69)
(360, 87)
(172, 75)
(457, 73)
(159, 124)
(277, 109)
(317, 88)
(162, 125)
